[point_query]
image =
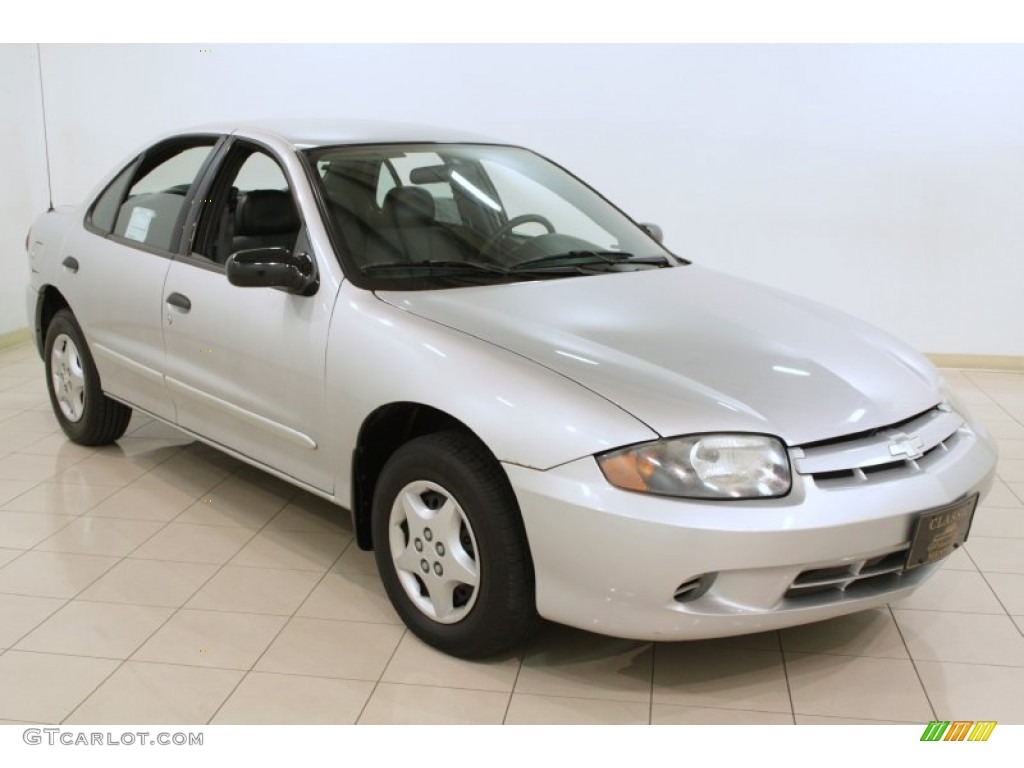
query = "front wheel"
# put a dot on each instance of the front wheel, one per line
(450, 546)
(87, 416)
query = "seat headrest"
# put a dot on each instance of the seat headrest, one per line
(409, 207)
(266, 212)
(349, 187)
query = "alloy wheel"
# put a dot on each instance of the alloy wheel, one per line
(68, 378)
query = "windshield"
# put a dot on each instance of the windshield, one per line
(415, 216)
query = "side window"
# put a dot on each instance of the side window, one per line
(385, 182)
(153, 208)
(251, 207)
(259, 171)
(104, 210)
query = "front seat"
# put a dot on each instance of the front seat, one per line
(265, 218)
(410, 229)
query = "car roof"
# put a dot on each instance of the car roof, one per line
(304, 134)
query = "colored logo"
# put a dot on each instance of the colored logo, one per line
(958, 730)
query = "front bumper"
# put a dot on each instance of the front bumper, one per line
(637, 566)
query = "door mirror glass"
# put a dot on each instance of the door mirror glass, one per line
(273, 268)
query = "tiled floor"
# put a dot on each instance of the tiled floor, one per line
(159, 581)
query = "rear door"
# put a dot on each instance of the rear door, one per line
(113, 269)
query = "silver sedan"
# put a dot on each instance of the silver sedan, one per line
(529, 406)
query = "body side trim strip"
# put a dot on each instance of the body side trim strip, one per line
(329, 496)
(280, 430)
(126, 362)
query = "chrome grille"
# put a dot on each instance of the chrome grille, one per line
(869, 457)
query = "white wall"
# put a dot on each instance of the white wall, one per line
(888, 181)
(23, 177)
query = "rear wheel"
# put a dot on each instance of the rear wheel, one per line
(86, 415)
(450, 546)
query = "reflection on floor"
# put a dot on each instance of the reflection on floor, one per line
(159, 581)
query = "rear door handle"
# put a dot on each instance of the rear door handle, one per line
(70, 264)
(180, 301)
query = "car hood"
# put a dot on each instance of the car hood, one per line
(690, 350)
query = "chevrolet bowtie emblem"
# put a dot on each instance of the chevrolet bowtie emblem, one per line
(906, 446)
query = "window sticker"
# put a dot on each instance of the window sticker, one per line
(138, 224)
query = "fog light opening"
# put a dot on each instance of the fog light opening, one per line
(693, 588)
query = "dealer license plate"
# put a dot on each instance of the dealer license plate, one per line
(940, 532)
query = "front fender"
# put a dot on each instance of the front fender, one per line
(526, 414)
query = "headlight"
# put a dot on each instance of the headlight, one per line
(722, 466)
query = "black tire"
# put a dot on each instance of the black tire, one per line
(499, 613)
(100, 420)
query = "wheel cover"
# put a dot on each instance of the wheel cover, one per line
(67, 378)
(434, 551)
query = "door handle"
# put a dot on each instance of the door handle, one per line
(70, 263)
(180, 301)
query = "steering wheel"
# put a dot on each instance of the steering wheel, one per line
(503, 231)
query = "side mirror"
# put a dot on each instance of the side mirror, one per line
(654, 231)
(273, 268)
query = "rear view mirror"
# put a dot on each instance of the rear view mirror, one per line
(273, 268)
(429, 174)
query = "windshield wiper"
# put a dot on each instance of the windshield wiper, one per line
(553, 265)
(575, 257)
(440, 265)
(587, 259)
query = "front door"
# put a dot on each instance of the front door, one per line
(245, 366)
